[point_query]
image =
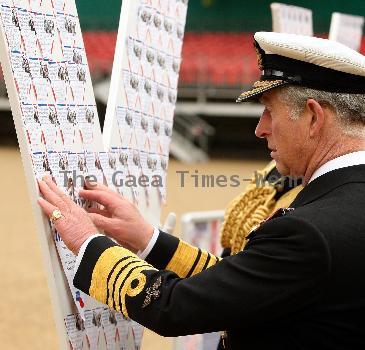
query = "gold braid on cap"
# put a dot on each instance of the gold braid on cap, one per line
(251, 208)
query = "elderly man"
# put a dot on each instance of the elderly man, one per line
(298, 284)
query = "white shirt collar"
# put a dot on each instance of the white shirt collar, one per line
(350, 159)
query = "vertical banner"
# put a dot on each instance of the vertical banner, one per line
(142, 98)
(140, 110)
(54, 110)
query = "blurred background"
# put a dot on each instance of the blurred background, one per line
(218, 62)
(212, 134)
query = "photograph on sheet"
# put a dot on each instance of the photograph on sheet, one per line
(75, 331)
(93, 328)
(109, 324)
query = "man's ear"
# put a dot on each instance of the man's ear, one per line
(316, 117)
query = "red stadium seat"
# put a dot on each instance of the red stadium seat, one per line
(227, 59)
(362, 47)
(208, 58)
(221, 58)
(100, 47)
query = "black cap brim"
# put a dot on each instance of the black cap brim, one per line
(258, 88)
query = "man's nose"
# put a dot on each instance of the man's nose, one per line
(263, 128)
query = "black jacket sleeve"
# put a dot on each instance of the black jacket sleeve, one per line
(173, 254)
(283, 269)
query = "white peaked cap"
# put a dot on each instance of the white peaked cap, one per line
(306, 61)
(322, 52)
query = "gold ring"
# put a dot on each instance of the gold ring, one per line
(56, 215)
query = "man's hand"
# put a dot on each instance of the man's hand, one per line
(119, 218)
(75, 225)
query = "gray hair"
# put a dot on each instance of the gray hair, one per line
(349, 108)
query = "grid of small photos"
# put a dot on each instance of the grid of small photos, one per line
(52, 80)
(62, 132)
(146, 105)
(102, 325)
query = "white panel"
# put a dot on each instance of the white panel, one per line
(291, 19)
(347, 29)
(201, 229)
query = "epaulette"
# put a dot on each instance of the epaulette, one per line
(266, 192)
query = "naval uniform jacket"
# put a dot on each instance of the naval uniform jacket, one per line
(298, 284)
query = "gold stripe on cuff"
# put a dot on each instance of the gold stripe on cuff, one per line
(183, 259)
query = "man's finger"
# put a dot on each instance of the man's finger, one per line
(102, 197)
(102, 222)
(90, 185)
(47, 207)
(51, 196)
(102, 212)
(48, 180)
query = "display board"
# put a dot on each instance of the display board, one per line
(54, 110)
(142, 98)
(347, 29)
(201, 229)
(291, 19)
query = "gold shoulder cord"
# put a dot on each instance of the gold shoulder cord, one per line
(250, 208)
